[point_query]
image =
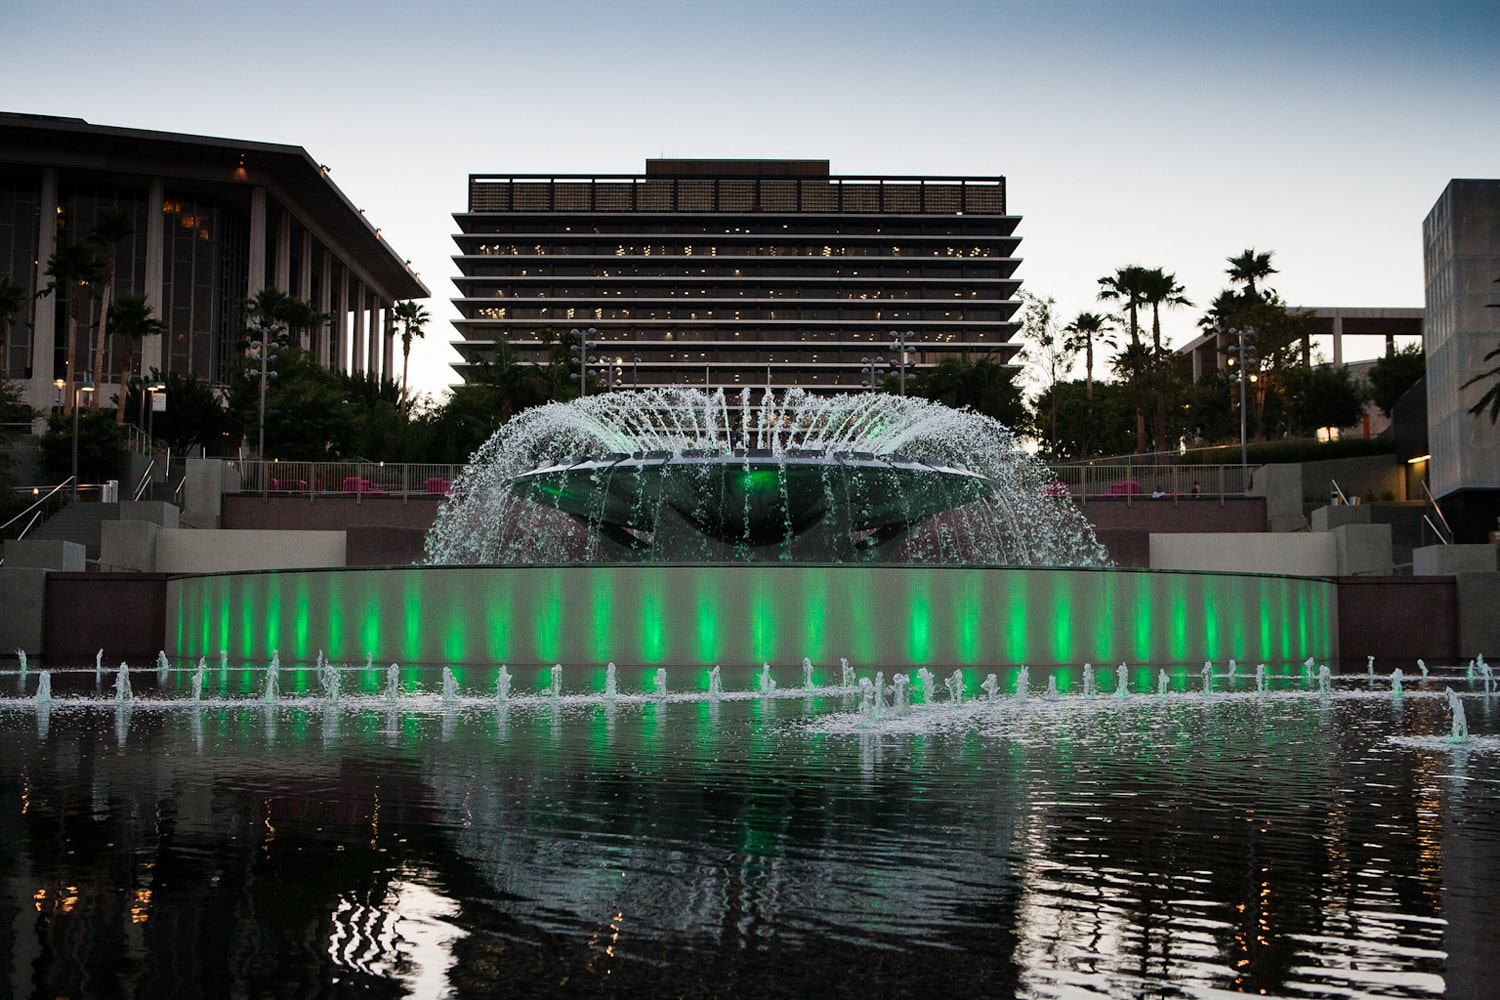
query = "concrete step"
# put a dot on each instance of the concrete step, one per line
(78, 522)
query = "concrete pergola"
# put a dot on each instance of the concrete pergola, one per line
(1206, 353)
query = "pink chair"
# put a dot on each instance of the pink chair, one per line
(436, 484)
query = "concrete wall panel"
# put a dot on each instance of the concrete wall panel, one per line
(187, 550)
(1299, 554)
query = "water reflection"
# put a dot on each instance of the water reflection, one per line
(1301, 845)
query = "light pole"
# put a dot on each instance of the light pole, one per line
(1246, 355)
(898, 345)
(265, 343)
(147, 389)
(87, 386)
(635, 372)
(586, 340)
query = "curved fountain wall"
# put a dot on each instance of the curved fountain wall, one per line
(650, 616)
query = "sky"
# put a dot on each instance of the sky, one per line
(1166, 134)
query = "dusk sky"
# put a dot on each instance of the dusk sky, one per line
(1168, 134)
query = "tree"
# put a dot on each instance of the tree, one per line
(1084, 425)
(1127, 285)
(112, 227)
(1250, 267)
(412, 318)
(1392, 375)
(1321, 397)
(100, 447)
(1157, 289)
(195, 415)
(13, 300)
(72, 267)
(984, 385)
(1049, 352)
(1491, 398)
(1086, 329)
(131, 319)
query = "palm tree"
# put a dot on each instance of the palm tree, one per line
(1085, 329)
(131, 319)
(12, 301)
(268, 305)
(412, 317)
(1158, 288)
(111, 228)
(1250, 267)
(73, 266)
(1125, 285)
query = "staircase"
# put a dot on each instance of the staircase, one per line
(78, 522)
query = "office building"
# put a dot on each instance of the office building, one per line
(214, 221)
(738, 273)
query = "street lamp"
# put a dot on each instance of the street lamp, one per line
(1245, 353)
(586, 340)
(146, 391)
(898, 345)
(265, 343)
(87, 386)
(873, 371)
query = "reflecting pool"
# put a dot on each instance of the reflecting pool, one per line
(1258, 836)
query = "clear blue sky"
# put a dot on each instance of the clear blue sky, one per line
(1169, 134)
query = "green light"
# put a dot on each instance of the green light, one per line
(919, 618)
(1179, 636)
(273, 611)
(707, 617)
(1141, 613)
(369, 631)
(968, 606)
(1262, 588)
(335, 617)
(813, 585)
(300, 617)
(601, 595)
(497, 620)
(1062, 621)
(1211, 618)
(759, 480)
(1015, 622)
(763, 619)
(547, 616)
(411, 617)
(653, 618)
(1104, 627)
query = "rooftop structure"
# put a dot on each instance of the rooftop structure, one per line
(737, 273)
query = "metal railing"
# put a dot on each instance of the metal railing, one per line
(37, 509)
(1130, 482)
(357, 479)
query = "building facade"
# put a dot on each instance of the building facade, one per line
(213, 222)
(1461, 241)
(737, 273)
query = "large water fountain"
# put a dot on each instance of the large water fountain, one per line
(682, 475)
(672, 529)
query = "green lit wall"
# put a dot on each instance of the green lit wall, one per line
(746, 615)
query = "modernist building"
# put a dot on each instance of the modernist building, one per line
(215, 220)
(1461, 240)
(738, 273)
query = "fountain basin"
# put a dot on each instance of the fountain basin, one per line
(746, 614)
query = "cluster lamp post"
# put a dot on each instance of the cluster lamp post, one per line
(267, 339)
(899, 348)
(86, 386)
(1245, 353)
(586, 339)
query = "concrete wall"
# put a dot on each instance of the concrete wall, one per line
(46, 553)
(122, 614)
(1397, 619)
(1300, 554)
(1369, 477)
(186, 550)
(1445, 560)
(1478, 614)
(23, 598)
(296, 513)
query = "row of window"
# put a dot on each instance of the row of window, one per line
(971, 314)
(733, 228)
(745, 290)
(601, 249)
(884, 269)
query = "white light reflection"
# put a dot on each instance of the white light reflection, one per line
(407, 936)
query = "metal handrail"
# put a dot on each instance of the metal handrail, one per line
(1433, 500)
(37, 503)
(140, 487)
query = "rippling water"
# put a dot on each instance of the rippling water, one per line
(1290, 845)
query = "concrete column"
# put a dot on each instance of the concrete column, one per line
(304, 277)
(156, 253)
(361, 328)
(340, 346)
(40, 391)
(256, 277)
(325, 305)
(284, 251)
(388, 359)
(1338, 339)
(377, 334)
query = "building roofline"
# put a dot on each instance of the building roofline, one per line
(291, 170)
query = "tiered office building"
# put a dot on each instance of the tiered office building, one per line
(738, 273)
